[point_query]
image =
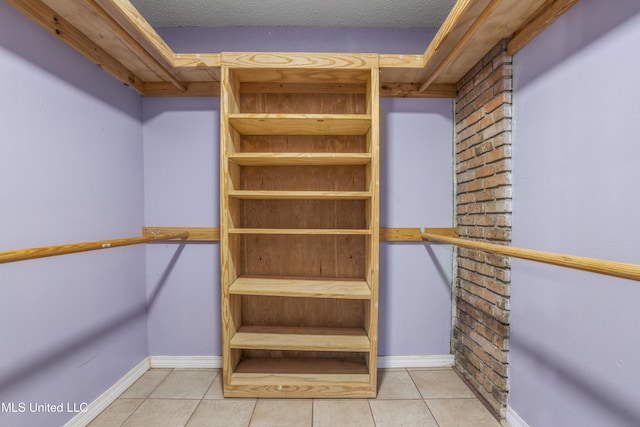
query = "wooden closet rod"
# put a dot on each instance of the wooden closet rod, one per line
(610, 268)
(45, 251)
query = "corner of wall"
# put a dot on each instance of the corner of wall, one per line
(483, 212)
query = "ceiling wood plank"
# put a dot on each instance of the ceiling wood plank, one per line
(462, 17)
(136, 26)
(506, 17)
(55, 24)
(477, 24)
(545, 16)
(410, 90)
(114, 35)
(97, 25)
(191, 89)
(193, 67)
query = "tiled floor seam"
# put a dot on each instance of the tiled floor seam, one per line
(132, 412)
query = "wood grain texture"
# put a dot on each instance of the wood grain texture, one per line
(386, 234)
(328, 62)
(412, 90)
(300, 338)
(135, 26)
(301, 287)
(454, 50)
(300, 124)
(47, 251)
(504, 19)
(546, 15)
(190, 89)
(58, 26)
(302, 231)
(300, 195)
(291, 159)
(90, 18)
(194, 233)
(400, 234)
(610, 268)
(113, 35)
(300, 219)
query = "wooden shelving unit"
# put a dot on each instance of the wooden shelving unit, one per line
(299, 226)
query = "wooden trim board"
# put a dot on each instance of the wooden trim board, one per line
(386, 234)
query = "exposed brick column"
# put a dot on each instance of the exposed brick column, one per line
(483, 203)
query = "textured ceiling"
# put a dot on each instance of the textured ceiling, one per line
(295, 13)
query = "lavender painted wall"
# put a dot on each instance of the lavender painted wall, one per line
(181, 163)
(575, 345)
(70, 171)
(181, 143)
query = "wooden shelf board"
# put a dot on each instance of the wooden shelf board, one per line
(309, 231)
(302, 378)
(300, 338)
(300, 195)
(300, 67)
(385, 234)
(292, 159)
(300, 124)
(301, 287)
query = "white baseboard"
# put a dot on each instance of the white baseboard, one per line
(108, 397)
(186, 362)
(215, 362)
(420, 361)
(514, 419)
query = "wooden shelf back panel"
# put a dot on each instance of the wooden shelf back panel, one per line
(309, 103)
(303, 255)
(259, 310)
(302, 178)
(309, 214)
(300, 124)
(301, 287)
(337, 144)
(331, 367)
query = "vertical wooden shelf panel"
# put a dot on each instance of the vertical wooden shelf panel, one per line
(299, 224)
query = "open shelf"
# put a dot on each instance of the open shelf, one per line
(301, 287)
(291, 159)
(301, 377)
(310, 231)
(300, 195)
(300, 338)
(299, 231)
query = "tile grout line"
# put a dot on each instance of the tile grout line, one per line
(201, 398)
(143, 400)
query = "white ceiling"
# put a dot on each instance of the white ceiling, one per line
(295, 13)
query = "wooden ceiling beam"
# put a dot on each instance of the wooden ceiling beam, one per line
(51, 21)
(448, 38)
(127, 17)
(116, 37)
(129, 36)
(545, 16)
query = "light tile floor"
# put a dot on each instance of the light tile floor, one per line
(190, 397)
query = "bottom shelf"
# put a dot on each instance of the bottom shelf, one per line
(302, 378)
